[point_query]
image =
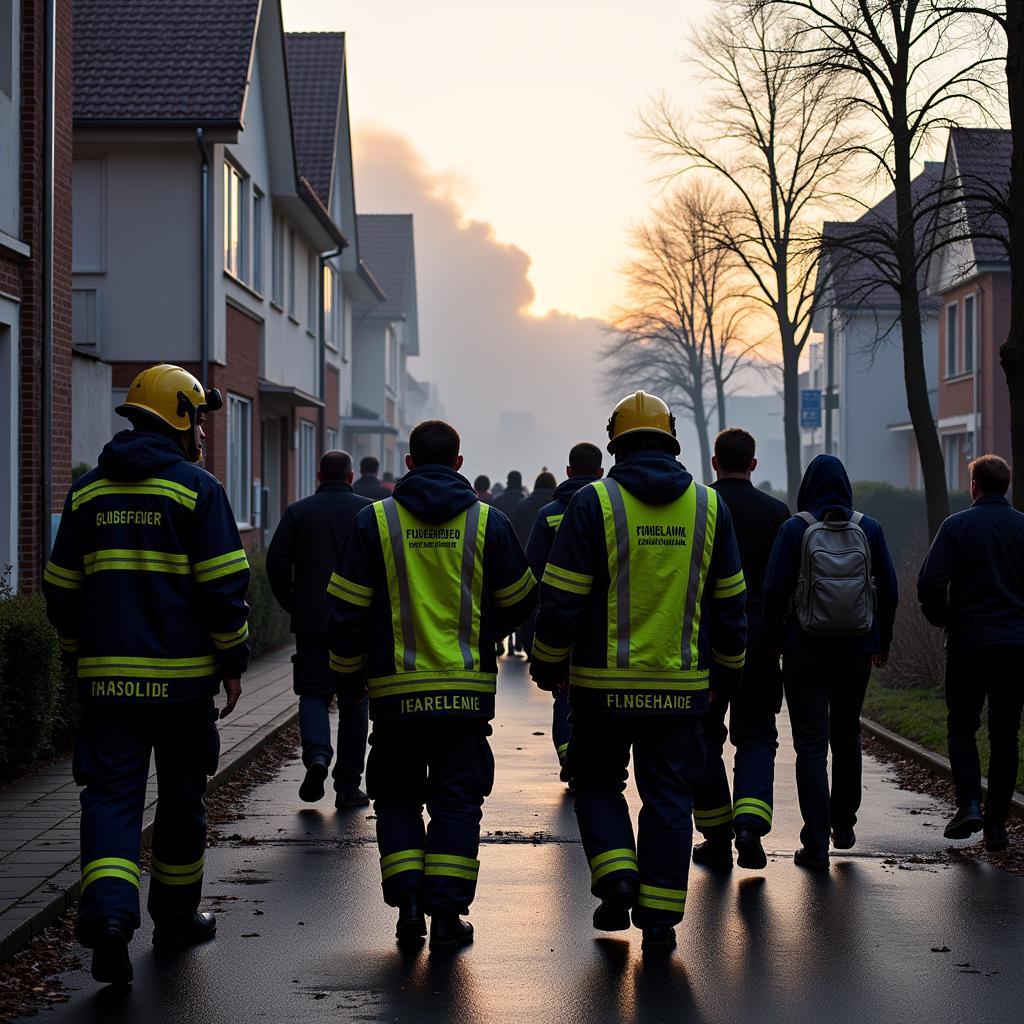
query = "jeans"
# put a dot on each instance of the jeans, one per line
(825, 694)
(972, 674)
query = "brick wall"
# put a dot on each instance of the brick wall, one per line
(10, 278)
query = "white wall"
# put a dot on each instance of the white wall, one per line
(10, 117)
(91, 402)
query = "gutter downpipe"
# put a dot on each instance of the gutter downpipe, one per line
(829, 384)
(322, 412)
(204, 262)
(46, 358)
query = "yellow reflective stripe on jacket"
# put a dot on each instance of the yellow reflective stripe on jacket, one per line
(349, 590)
(347, 665)
(452, 866)
(401, 861)
(177, 874)
(508, 596)
(110, 867)
(135, 559)
(730, 586)
(736, 661)
(221, 565)
(681, 680)
(700, 566)
(176, 492)
(657, 898)
(545, 652)
(69, 579)
(555, 521)
(567, 580)
(454, 679)
(705, 818)
(153, 668)
(68, 645)
(751, 805)
(225, 641)
(612, 860)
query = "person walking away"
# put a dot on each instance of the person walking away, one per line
(146, 589)
(584, 468)
(511, 495)
(972, 585)
(523, 517)
(387, 481)
(830, 597)
(482, 486)
(300, 559)
(747, 812)
(641, 597)
(426, 583)
(368, 485)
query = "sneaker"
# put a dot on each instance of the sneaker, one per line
(613, 913)
(177, 935)
(844, 838)
(965, 822)
(812, 859)
(449, 931)
(749, 851)
(658, 938)
(714, 853)
(351, 796)
(111, 964)
(312, 788)
(997, 838)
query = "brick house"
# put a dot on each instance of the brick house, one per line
(35, 361)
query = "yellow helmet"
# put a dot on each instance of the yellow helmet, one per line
(171, 394)
(641, 413)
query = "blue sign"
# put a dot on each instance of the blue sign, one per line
(810, 408)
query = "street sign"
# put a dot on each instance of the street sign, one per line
(810, 408)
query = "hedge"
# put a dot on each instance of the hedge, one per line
(38, 701)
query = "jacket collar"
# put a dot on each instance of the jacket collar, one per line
(334, 485)
(990, 499)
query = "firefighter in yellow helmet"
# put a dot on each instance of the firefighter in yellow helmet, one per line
(146, 588)
(642, 616)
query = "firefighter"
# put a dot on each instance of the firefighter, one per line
(584, 468)
(146, 588)
(642, 613)
(428, 581)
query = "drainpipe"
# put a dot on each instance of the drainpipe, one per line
(46, 360)
(322, 413)
(830, 357)
(204, 262)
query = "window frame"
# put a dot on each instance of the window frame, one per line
(277, 278)
(305, 484)
(952, 339)
(312, 312)
(258, 204)
(290, 271)
(234, 404)
(970, 326)
(236, 211)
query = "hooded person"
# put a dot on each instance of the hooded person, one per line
(428, 581)
(510, 496)
(641, 615)
(827, 663)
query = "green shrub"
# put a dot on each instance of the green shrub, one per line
(268, 622)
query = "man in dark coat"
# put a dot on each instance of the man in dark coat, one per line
(368, 484)
(300, 558)
(511, 496)
(972, 585)
(523, 517)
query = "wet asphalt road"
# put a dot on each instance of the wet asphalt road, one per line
(304, 934)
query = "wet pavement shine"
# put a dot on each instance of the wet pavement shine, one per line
(304, 934)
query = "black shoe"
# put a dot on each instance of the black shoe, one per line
(996, 838)
(111, 964)
(659, 938)
(312, 788)
(349, 797)
(449, 931)
(805, 858)
(965, 822)
(844, 838)
(749, 851)
(714, 853)
(178, 935)
(412, 925)
(613, 913)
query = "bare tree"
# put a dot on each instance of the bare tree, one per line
(776, 141)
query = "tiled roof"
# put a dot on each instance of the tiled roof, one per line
(181, 61)
(386, 246)
(315, 61)
(983, 159)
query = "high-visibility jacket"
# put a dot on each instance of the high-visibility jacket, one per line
(146, 583)
(428, 581)
(644, 592)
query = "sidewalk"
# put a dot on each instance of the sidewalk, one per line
(39, 816)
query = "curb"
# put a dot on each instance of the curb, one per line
(927, 758)
(67, 881)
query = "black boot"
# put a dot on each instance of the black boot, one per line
(714, 853)
(659, 938)
(997, 838)
(844, 838)
(312, 788)
(412, 925)
(965, 822)
(449, 931)
(613, 913)
(816, 860)
(179, 934)
(111, 964)
(749, 851)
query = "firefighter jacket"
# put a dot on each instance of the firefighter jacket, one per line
(549, 518)
(146, 583)
(428, 582)
(643, 594)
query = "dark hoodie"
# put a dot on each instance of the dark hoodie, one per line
(525, 513)
(147, 580)
(577, 598)
(547, 521)
(432, 650)
(825, 492)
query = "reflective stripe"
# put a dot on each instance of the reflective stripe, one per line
(545, 652)
(347, 665)
(691, 610)
(612, 860)
(110, 867)
(566, 579)
(735, 661)
(730, 586)
(401, 861)
(152, 485)
(555, 521)
(690, 681)
(177, 874)
(135, 559)
(67, 645)
(509, 596)
(222, 565)
(349, 590)
(713, 816)
(469, 554)
(153, 668)
(69, 579)
(225, 641)
(751, 805)
(618, 569)
(401, 578)
(450, 865)
(561, 750)
(431, 682)
(657, 898)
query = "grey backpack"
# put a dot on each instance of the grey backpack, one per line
(835, 594)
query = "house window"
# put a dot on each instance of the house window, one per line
(84, 318)
(307, 459)
(240, 458)
(290, 254)
(970, 304)
(952, 446)
(258, 204)
(951, 340)
(332, 439)
(277, 262)
(236, 222)
(327, 286)
(311, 277)
(7, 47)
(88, 217)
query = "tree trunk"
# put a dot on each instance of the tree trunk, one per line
(1011, 354)
(720, 399)
(700, 423)
(791, 413)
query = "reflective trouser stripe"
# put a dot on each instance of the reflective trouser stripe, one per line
(403, 860)
(611, 860)
(110, 867)
(713, 816)
(452, 866)
(751, 805)
(176, 874)
(561, 749)
(657, 898)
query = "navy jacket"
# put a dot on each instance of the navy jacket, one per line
(369, 486)
(146, 584)
(305, 548)
(825, 491)
(524, 514)
(972, 580)
(507, 501)
(549, 518)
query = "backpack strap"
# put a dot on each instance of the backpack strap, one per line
(807, 518)
(856, 518)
